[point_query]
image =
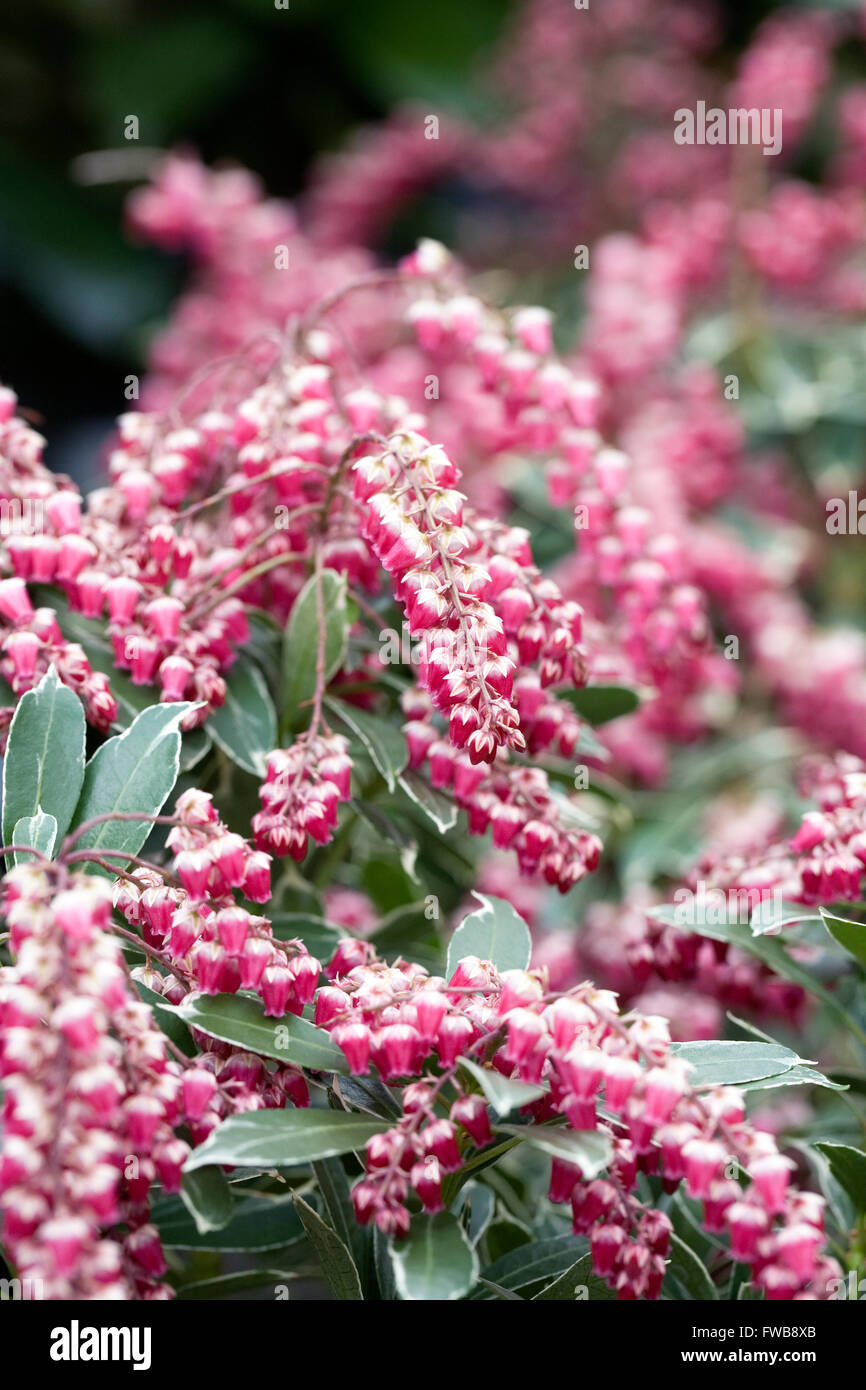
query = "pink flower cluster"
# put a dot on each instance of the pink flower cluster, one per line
(43, 541)
(90, 1098)
(121, 557)
(626, 950)
(208, 940)
(516, 803)
(300, 794)
(825, 860)
(582, 1054)
(414, 523)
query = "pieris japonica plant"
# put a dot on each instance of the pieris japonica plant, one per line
(402, 890)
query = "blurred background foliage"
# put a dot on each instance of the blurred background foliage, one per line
(234, 79)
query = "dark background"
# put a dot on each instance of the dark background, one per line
(234, 79)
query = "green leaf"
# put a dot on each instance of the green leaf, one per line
(734, 1063)
(39, 831)
(687, 1273)
(337, 1264)
(839, 1205)
(382, 740)
(796, 1076)
(752, 1029)
(481, 1202)
(851, 936)
(767, 949)
(502, 1294)
(208, 1198)
(435, 1263)
(686, 1214)
(383, 1266)
(436, 806)
(301, 644)
(240, 1019)
(390, 836)
(600, 703)
(749, 1293)
(587, 1149)
(194, 747)
(245, 727)
(494, 932)
(257, 1223)
(222, 1285)
(265, 643)
(765, 916)
(663, 845)
(578, 1276)
(534, 1262)
(369, 1094)
(408, 931)
(133, 772)
(590, 745)
(799, 1074)
(502, 1093)
(768, 916)
(848, 1166)
(504, 1234)
(44, 764)
(283, 1138)
(336, 1198)
(388, 878)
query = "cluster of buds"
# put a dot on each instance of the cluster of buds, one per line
(399, 1017)
(115, 558)
(640, 574)
(211, 943)
(515, 803)
(41, 523)
(646, 620)
(824, 861)
(533, 161)
(413, 519)
(380, 172)
(31, 642)
(303, 787)
(90, 1098)
(541, 406)
(536, 396)
(155, 464)
(647, 623)
(584, 1055)
(542, 627)
(624, 948)
(210, 860)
